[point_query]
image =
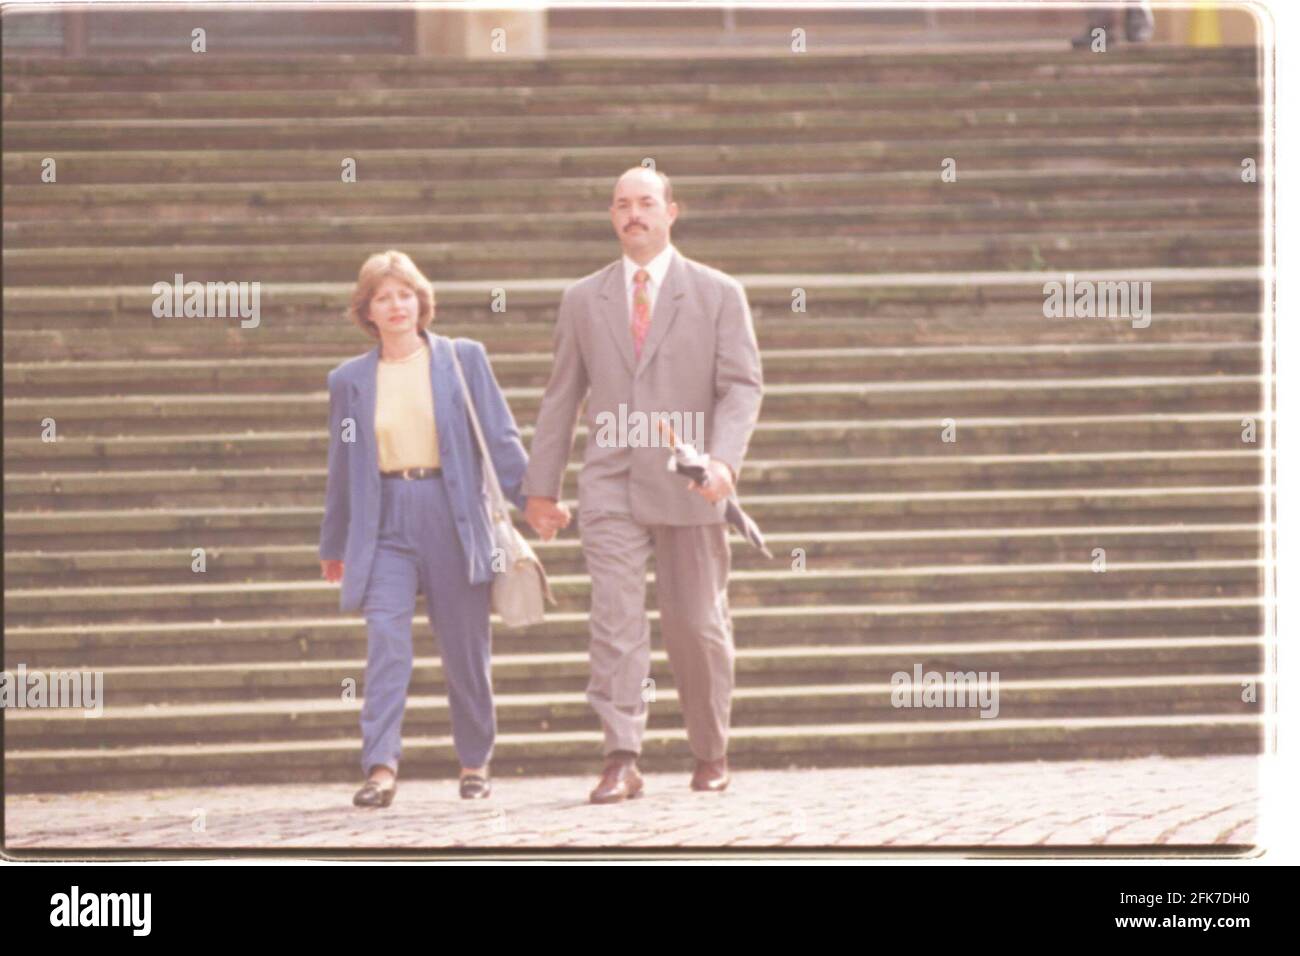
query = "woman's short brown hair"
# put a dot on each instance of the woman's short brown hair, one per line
(374, 271)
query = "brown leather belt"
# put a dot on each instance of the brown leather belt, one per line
(411, 474)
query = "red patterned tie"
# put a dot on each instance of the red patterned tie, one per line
(640, 309)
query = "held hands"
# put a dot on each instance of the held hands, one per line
(546, 516)
(720, 485)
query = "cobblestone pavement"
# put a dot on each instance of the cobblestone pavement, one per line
(1146, 801)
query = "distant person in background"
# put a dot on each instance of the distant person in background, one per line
(1139, 24)
(404, 513)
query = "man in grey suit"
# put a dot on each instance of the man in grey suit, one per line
(652, 335)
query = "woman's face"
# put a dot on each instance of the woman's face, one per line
(394, 308)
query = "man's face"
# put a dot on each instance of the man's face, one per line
(641, 219)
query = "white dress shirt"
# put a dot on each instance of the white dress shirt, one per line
(656, 267)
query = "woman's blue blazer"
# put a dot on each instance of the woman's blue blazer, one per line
(350, 527)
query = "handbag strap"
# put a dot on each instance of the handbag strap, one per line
(489, 470)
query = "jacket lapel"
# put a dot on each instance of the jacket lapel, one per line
(618, 317)
(448, 404)
(365, 391)
(615, 315)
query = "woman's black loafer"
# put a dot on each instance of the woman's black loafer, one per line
(474, 787)
(375, 794)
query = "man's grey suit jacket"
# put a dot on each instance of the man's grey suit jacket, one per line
(700, 355)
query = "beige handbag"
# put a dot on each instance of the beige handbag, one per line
(520, 589)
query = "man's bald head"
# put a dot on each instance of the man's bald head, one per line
(648, 175)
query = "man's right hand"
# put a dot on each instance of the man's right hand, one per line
(332, 571)
(546, 516)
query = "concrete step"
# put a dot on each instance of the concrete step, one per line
(229, 487)
(1080, 579)
(1171, 149)
(870, 698)
(1011, 435)
(481, 260)
(1081, 217)
(180, 415)
(889, 510)
(971, 740)
(813, 126)
(236, 202)
(962, 301)
(829, 550)
(306, 641)
(335, 340)
(532, 369)
(595, 99)
(883, 67)
(74, 338)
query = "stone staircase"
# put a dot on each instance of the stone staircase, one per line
(924, 304)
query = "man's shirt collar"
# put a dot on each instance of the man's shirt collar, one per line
(657, 267)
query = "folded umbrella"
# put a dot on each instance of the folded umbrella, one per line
(693, 464)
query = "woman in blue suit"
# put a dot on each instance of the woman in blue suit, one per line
(405, 512)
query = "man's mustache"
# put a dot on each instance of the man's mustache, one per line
(629, 226)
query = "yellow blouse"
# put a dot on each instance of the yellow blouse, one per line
(404, 422)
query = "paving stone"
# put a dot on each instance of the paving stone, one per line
(1155, 800)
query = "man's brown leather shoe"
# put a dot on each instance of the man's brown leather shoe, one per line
(710, 775)
(620, 781)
